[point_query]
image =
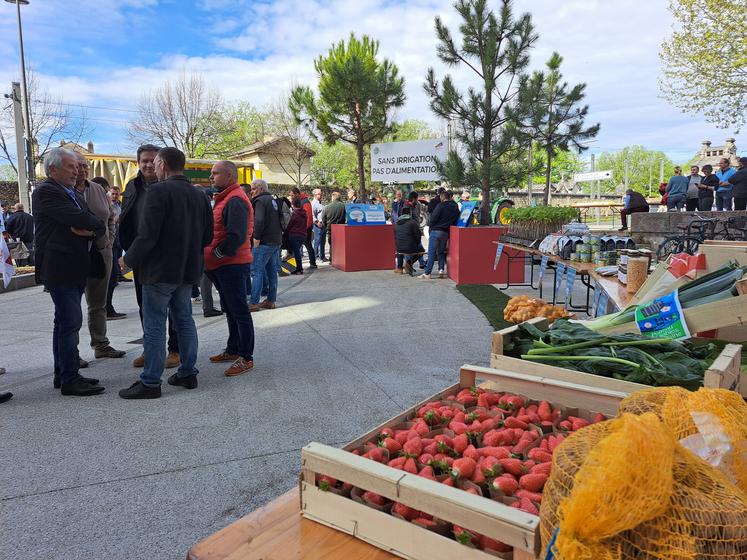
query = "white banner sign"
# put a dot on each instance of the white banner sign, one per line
(592, 176)
(405, 162)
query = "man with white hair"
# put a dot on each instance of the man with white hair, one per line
(268, 235)
(320, 232)
(99, 202)
(65, 233)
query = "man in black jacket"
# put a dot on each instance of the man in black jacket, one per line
(176, 225)
(268, 235)
(65, 257)
(739, 190)
(445, 215)
(133, 207)
(407, 236)
(21, 226)
(633, 202)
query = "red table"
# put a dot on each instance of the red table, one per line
(472, 255)
(357, 248)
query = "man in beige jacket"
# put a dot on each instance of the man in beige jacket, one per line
(100, 204)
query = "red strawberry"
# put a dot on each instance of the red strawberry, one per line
(471, 452)
(460, 443)
(448, 481)
(405, 512)
(478, 477)
(463, 467)
(424, 522)
(397, 463)
(489, 466)
(542, 468)
(486, 543)
(533, 496)
(497, 452)
(539, 455)
(376, 454)
(506, 485)
(533, 482)
(491, 438)
(373, 498)
(512, 466)
(566, 425)
(410, 466)
(465, 537)
(325, 482)
(421, 428)
(457, 427)
(512, 422)
(544, 411)
(427, 472)
(391, 445)
(599, 417)
(413, 447)
(527, 506)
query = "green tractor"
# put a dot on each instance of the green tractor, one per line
(499, 210)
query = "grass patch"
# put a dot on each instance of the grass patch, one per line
(489, 300)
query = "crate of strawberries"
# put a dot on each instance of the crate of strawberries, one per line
(459, 474)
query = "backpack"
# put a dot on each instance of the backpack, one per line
(284, 208)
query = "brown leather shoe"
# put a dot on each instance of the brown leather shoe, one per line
(139, 361)
(172, 360)
(267, 304)
(238, 367)
(223, 357)
(254, 307)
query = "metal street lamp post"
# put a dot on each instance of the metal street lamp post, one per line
(31, 174)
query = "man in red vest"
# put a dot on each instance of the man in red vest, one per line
(227, 261)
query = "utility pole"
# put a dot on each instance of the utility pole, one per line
(23, 191)
(530, 178)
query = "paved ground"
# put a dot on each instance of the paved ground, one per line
(106, 478)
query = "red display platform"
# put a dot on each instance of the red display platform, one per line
(472, 255)
(357, 248)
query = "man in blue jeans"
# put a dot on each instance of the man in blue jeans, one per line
(176, 225)
(66, 256)
(320, 232)
(268, 235)
(444, 215)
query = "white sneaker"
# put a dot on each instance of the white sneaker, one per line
(424, 277)
(441, 274)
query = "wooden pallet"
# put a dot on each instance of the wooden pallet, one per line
(725, 372)
(481, 515)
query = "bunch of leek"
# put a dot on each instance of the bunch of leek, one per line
(714, 286)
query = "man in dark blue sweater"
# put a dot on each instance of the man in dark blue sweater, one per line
(442, 218)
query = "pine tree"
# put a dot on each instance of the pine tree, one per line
(495, 48)
(548, 112)
(357, 94)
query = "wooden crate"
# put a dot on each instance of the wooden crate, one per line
(725, 372)
(481, 515)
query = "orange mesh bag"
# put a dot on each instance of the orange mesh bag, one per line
(627, 490)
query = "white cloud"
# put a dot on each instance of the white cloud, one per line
(257, 50)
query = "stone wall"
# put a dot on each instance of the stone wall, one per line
(650, 228)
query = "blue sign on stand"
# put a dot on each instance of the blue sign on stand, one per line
(570, 278)
(543, 266)
(468, 208)
(558, 279)
(365, 214)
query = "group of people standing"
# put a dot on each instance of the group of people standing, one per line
(406, 215)
(170, 235)
(726, 187)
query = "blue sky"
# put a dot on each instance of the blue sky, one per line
(107, 53)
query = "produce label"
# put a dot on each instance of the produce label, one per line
(558, 280)
(604, 299)
(662, 318)
(570, 278)
(595, 299)
(543, 267)
(498, 253)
